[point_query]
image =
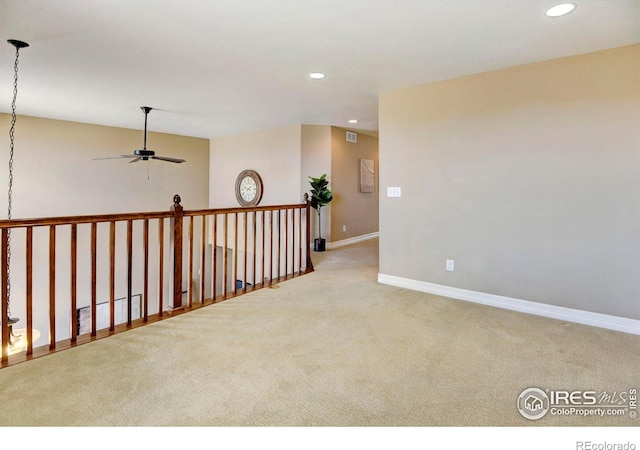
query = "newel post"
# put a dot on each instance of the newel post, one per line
(308, 231)
(177, 251)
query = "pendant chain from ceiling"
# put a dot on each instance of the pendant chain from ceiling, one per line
(10, 191)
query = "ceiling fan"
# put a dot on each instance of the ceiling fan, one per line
(144, 154)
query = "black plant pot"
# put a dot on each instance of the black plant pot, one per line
(319, 245)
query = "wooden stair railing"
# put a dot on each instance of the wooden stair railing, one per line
(82, 278)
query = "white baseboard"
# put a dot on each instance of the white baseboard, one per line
(353, 240)
(616, 323)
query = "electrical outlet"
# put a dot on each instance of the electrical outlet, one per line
(344, 228)
(450, 265)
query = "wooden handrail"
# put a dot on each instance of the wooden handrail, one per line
(264, 245)
(69, 220)
(198, 212)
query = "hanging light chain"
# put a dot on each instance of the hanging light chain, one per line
(12, 131)
(17, 45)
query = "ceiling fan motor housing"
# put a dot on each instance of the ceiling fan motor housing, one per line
(144, 154)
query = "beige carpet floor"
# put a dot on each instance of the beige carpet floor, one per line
(332, 348)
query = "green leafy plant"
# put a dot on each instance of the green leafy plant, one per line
(320, 196)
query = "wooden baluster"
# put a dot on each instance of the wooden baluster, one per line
(112, 275)
(299, 241)
(235, 254)
(190, 296)
(52, 287)
(224, 257)
(244, 275)
(279, 246)
(145, 291)
(29, 289)
(286, 243)
(255, 248)
(264, 248)
(203, 246)
(161, 267)
(214, 258)
(271, 220)
(4, 309)
(94, 270)
(129, 270)
(74, 281)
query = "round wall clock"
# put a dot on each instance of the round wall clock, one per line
(249, 188)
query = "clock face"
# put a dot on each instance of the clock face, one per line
(248, 188)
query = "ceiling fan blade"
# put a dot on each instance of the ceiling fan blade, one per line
(114, 157)
(166, 158)
(135, 159)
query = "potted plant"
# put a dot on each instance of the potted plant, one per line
(320, 196)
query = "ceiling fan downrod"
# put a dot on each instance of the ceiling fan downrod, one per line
(146, 110)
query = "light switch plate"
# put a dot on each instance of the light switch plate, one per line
(394, 192)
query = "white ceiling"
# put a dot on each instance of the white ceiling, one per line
(212, 68)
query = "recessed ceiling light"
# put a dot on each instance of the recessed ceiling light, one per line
(561, 9)
(317, 75)
(353, 121)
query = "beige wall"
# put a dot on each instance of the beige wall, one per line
(529, 178)
(274, 154)
(355, 210)
(55, 173)
(316, 160)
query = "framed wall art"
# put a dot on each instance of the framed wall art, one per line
(367, 175)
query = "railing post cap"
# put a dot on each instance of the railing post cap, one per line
(176, 200)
